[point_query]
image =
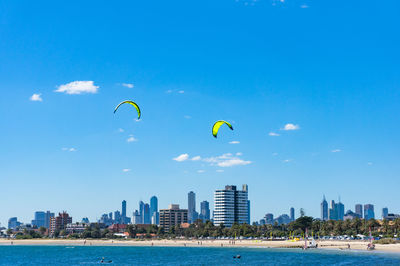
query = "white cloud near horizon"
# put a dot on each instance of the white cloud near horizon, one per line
(336, 150)
(196, 158)
(69, 149)
(187, 117)
(126, 170)
(181, 91)
(181, 158)
(121, 130)
(226, 160)
(36, 97)
(219, 171)
(200, 171)
(131, 138)
(128, 85)
(273, 134)
(78, 87)
(234, 142)
(291, 126)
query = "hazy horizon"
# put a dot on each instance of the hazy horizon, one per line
(312, 89)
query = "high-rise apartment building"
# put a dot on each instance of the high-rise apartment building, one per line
(324, 210)
(60, 222)
(141, 211)
(231, 206)
(204, 211)
(369, 212)
(359, 210)
(172, 216)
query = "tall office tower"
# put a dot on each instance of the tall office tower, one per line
(269, 218)
(324, 210)
(47, 217)
(340, 211)
(333, 211)
(123, 214)
(13, 223)
(117, 217)
(146, 214)
(191, 207)
(359, 210)
(39, 220)
(292, 218)
(385, 212)
(110, 215)
(205, 211)
(154, 210)
(231, 206)
(141, 211)
(172, 216)
(369, 211)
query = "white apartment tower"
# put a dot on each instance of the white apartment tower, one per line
(231, 206)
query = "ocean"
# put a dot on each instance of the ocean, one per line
(83, 255)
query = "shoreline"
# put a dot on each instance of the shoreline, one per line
(323, 244)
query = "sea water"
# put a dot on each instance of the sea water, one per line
(83, 255)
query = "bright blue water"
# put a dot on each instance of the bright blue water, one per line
(61, 255)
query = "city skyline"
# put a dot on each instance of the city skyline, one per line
(314, 106)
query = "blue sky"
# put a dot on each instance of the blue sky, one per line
(327, 70)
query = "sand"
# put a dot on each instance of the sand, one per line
(324, 244)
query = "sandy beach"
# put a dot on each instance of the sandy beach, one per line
(324, 244)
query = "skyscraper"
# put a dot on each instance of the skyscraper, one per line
(136, 219)
(385, 212)
(340, 211)
(231, 206)
(141, 211)
(332, 211)
(39, 220)
(146, 214)
(192, 214)
(369, 211)
(154, 210)
(205, 210)
(123, 214)
(292, 218)
(117, 217)
(359, 210)
(269, 218)
(324, 210)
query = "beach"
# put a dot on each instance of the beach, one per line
(323, 244)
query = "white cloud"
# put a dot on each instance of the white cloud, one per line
(121, 130)
(187, 116)
(275, 154)
(234, 142)
(219, 171)
(69, 149)
(78, 87)
(287, 160)
(131, 138)
(128, 85)
(126, 170)
(182, 157)
(181, 91)
(273, 134)
(336, 150)
(369, 163)
(168, 91)
(304, 6)
(36, 97)
(196, 158)
(200, 171)
(226, 160)
(239, 154)
(290, 126)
